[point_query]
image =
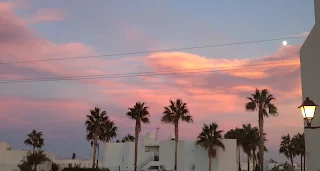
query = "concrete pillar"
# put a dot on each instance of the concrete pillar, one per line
(310, 77)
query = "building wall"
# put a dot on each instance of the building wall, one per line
(224, 160)
(10, 159)
(122, 154)
(310, 59)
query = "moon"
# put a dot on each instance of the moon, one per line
(284, 43)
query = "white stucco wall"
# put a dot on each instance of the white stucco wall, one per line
(122, 154)
(310, 60)
(225, 160)
(10, 159)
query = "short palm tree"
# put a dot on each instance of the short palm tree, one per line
(287, 148)
(174, 113)
(262, 101)
(209, 138)
(299, 144)
(238, 135)
(34, 159)
(140, 114)
(35, 139)
(128, 138)
(99, 127)
(55, 167)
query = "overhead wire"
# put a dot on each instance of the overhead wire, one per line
(159, 73)
(152, 51)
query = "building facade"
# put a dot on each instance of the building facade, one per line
(159, 155)
(10, 159)
(310, 60)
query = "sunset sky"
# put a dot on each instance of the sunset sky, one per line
(37, 30)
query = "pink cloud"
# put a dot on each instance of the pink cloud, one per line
(211, 96)
(48, 111)
(48, 14)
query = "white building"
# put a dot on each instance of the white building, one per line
(154, 155)
(9, 159)
(65, 163)
(310, 60)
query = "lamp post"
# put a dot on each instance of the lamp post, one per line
(308, 110)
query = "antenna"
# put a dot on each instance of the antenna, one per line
(157, 132)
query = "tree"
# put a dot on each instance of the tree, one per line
(55, 167)
(299, 146)
(238, 135)
(33, 159)
(287, 148)
(173, 114)
(128, 138)
(140, 114)
(99, 127)
(73, 156)
(262, 101)
(25, 166)
(35, 139)
(209, 138)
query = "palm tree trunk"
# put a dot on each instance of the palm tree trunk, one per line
(304, 162)
(137, 129)
(239, 159)
(291, 160)
(94, 151)
(34, 149)
(254, 160)
(248, 163)
(261, 145)
(210, 161)
(176, 138)
(301, 162)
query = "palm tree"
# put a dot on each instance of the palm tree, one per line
(209, 139)
(33, 160)
(262, 101)
(172, 114)
(140, 114)
(238, 135)
(299, 144)
(99, 127)
(35, 139)
(55, 167)
(128, 138)
(287, 148)
(247, 142)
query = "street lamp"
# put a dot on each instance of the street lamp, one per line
(308, 110)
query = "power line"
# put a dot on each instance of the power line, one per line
(152, 51)
(110, 76)
(147, 72)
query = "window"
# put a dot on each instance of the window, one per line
(147, 149)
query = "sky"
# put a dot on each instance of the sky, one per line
(39, 30)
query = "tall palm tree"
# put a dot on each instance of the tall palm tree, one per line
(99, 127)
(247, 142)
(210, 138)
(128, 138)
(237, 134)
(262, 101)
(287, 148)
(299, 144)
(174, 113)
(35, 139)
(140, 114)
